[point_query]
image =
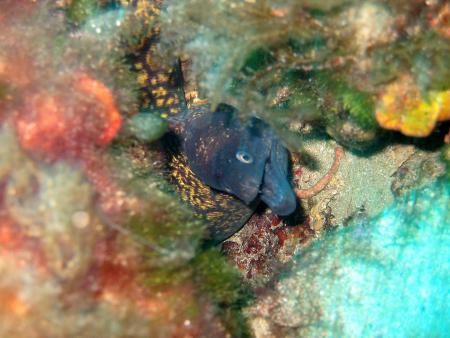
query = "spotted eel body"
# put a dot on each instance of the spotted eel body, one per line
(162, 91)
(225, 213)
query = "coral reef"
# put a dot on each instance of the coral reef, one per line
(92, 240)
(265, 246)
(95, 240)
(312, 61)
(403, 108)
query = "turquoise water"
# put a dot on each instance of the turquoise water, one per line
(386, 277)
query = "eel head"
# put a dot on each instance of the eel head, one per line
(245, 160)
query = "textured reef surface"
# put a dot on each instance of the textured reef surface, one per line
(106, 212)
(384, 276)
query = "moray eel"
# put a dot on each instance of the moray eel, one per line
(247, 161)
(221, 167)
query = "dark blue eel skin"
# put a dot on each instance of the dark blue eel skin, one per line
(247, 161)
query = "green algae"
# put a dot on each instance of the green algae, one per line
(162, 278)
(80, 10)
(171, 231)
(359, 105)
(248, 25)
(4, 90)
(167, 229)
(215, 277)
(219, 279)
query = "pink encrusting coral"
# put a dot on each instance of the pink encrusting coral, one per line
(72, 116)
(62, 124)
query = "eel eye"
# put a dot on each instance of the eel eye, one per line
(244, 157)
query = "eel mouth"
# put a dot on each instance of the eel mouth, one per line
(277, 192)
(248, 191)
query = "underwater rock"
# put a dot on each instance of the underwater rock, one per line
(364, 185)
(146, 127)
(34, 305)
(350, 134)
(386, 276)
(254, 249)
(264, 246)
(421, 169)
(54, 205)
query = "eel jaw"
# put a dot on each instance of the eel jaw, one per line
(276, 191)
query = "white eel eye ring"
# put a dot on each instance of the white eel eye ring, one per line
(244, 157)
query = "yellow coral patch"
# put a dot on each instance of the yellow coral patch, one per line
(443, 99)
(404, 108)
